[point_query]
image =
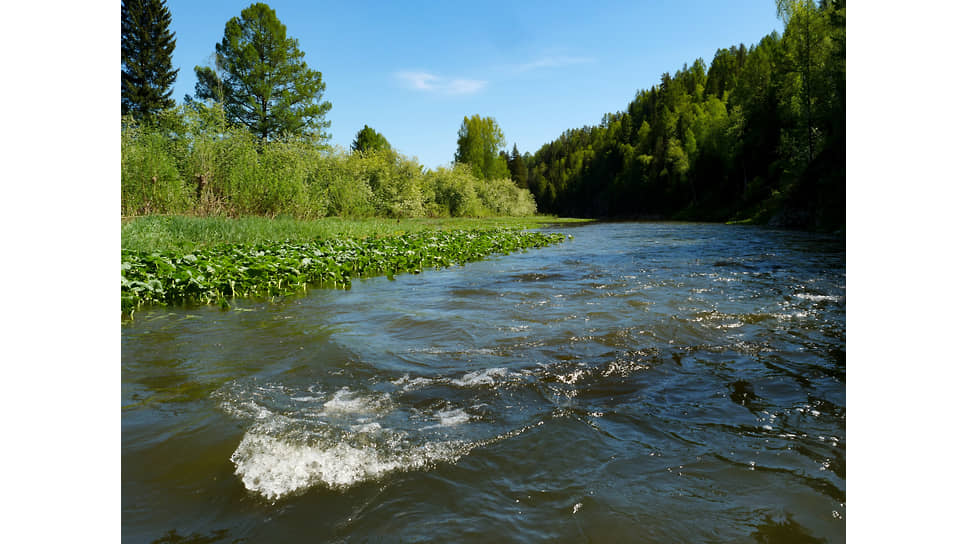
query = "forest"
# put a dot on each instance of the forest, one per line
(758, 135)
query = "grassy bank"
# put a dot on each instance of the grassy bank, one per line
(215, 274)
(187, 233)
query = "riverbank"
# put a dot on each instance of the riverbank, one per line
(166, 260)
(188, 233)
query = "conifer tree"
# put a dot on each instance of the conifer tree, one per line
(368, 139)
(518, 169)
(261, 79)
(147, 44)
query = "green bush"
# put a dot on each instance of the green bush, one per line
(150, 181)
(504, 197)
(396, 183)
(192, 161)
(339, 186)
(455, 191)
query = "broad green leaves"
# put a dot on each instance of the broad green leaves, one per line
(279, 268)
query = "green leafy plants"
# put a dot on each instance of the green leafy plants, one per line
(215, 274)
(192, 160)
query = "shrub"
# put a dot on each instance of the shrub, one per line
(504, 197)
(454, 191)
(338, 185)
(396, 183)
(191, 159)
(150, 181)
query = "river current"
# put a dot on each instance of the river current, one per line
(640, 382)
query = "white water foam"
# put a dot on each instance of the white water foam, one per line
(623, 368)
(346, 402)
(571, 377)
(409, 384)
(816, 298)
(481, 377)
(449, 418)
(297, 440)
(275, 467)
(367, 428)
(308, 398)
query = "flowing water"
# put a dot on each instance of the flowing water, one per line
(642, 382)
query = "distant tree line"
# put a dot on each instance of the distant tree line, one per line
(757, 135)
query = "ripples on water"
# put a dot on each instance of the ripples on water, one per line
(642, 382)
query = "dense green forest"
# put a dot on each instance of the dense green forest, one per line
(757, 135)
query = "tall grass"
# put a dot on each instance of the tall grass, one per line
(190, 161)
(170, 233)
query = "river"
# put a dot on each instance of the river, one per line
(641, 382)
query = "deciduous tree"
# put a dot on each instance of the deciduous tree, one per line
(806, 42)
(479, 143)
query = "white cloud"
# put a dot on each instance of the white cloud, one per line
(552, 62)
(464, 86)
(423, 81)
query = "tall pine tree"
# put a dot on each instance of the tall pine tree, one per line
(518, 168)
(147, 44)
(262, 80)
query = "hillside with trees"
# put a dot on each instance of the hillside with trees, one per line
(757, 135)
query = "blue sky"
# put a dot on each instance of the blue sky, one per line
(412, 70)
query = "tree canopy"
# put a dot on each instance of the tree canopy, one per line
(518, 167)
(368, 139)
(147, 44)
(479, 144)
(261, 79)
(758, 135)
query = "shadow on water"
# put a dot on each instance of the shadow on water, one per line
(783, 532)
(172, 537)
(741, 392)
